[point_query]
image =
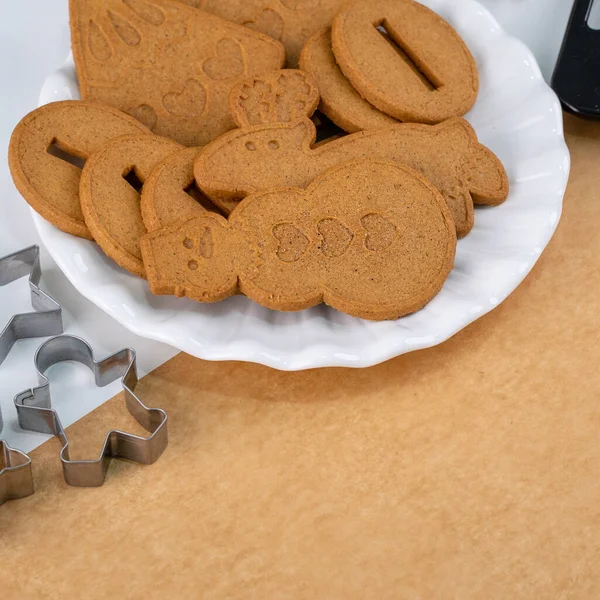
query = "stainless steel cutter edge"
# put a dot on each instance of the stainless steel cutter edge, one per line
(47, 318)
(35, 412)
(16, 478)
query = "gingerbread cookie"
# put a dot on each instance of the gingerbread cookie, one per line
(326, 129)
(339, 100)
(167, 64)
(48, 148)
(275, 97)
(110, 188)
(371, 238)
(405, 60)
(171, 192)
(267, 157)
(291, 21)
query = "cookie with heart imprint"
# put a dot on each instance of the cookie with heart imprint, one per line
(48, 149)
(370, 238)
(405, 59)
(291, 21)
(110, 187)
(271, 156)
(276, 96)
(339, 100)
(169, 65)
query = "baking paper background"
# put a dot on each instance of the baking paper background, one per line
(467, 471)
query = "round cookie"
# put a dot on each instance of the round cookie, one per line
(110, 200)
(339, 100)
(405, 59)
(45, 140)
(170, 192)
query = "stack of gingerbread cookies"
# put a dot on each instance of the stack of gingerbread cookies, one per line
(192, 159)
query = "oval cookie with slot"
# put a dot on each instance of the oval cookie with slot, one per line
(339, 100)
(48, 149)
(405, 59)
(111, 183)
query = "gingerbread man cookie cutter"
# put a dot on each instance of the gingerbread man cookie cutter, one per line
(35, 412)
(16, 479)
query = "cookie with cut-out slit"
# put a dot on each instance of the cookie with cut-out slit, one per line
(170, 192)
(371, 238)
(339, 100)
(271, 156)
(110, 187)
(291, 21)
(169, 65)
(405, 59)
(275, 96)
(48, 149)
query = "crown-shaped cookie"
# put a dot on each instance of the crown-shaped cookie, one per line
(274, 97)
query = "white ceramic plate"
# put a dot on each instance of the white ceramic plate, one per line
(516, 115)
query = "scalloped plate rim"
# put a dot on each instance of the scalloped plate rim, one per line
(371, 349)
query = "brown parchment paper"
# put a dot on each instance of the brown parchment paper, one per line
(468, 471)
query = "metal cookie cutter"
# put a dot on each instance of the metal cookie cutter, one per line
(16, 480)
(35, 412)
(47, 320)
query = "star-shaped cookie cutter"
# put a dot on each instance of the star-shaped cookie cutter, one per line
(35, 412)
(16, 478)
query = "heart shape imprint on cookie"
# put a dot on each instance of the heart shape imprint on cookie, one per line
(228, 62)
(269, 22)
(336, 237)
(292, 242)
(189, 102)
(381, 232)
